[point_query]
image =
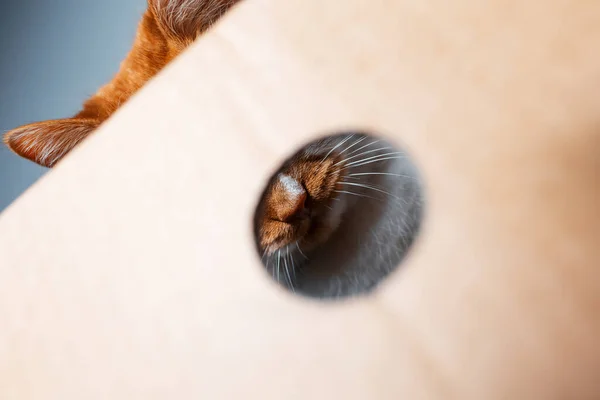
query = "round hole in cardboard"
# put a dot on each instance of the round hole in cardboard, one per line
(339, 215)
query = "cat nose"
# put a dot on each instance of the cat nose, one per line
(293, 204)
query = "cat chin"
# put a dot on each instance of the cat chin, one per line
(300, 250)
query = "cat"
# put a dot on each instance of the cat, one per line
(336, 218)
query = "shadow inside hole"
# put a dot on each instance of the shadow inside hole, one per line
(339, 215)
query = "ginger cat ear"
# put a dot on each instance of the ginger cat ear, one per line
(186, 19)
(47, 142)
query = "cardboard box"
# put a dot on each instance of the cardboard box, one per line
(130, 270)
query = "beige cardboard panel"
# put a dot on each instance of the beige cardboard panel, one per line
(130, 272)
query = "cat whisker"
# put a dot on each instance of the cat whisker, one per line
(362, 154)
(262, 258)
(335, 147)
(355, 194)
(300, 250)
(365, 146)
(278, 262)
(291, 257)
(287, 272)
(352, 145)
(380, 173)
(395, 153)
(370, 162)
(369, 187)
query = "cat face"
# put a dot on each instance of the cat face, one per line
(311, 193)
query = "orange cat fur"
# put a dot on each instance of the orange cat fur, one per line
(350, 194)
(166, 29)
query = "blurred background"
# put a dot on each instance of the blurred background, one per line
(53, 55)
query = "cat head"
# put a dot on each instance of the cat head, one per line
(166, 29)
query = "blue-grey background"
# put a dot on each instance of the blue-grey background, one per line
(53, 55)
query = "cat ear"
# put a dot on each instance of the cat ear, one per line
(47, 142)
(186, 19)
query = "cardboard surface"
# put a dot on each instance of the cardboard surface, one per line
(129, 271)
